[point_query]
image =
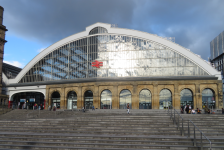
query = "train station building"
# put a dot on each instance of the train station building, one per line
(108, 67)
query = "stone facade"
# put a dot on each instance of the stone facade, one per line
(2, 43)
(175, 86)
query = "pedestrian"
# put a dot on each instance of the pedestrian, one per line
(209, 111)
(128, 108)
(83, 110)
(222, 111)
(198, 111)
(206, 109)
(182, 109)
(187, 109)
(93, 108)
(193, 111)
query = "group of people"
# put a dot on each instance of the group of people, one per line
(36, 106)
(189, 110)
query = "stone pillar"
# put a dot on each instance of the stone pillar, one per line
(198, 97)
(135, 99)
(155, 99)
(96, 99)
(115, 97)
(62, 98)
(47, 99)
(176, 97)
(80, 103)
(219, 100)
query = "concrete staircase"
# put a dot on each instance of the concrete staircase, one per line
(99, 129)
(212, 126)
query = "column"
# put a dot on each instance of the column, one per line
(135, 99)
(155, 99)
(219, 99)
(47, 99)
(198, 97)
(176, 98)
(96, 99)
(80, 103)
(115, 97)
(62, 98)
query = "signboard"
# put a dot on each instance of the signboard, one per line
(23, 100)
(32, 100)
(97, 64)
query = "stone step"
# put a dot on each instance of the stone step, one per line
(98, 146)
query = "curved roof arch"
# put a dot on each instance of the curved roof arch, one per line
(126, 32)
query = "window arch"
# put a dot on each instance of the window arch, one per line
(98, 30)
(55, 97)
(186, 98)
(125, 98)
(208, 98)
(88, 100)
(145, 99)
(165, 99)
(72, 100)
(106, 100)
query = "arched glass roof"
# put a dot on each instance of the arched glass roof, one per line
(121, 56)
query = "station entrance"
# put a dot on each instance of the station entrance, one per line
(26, 100)
(55, 100)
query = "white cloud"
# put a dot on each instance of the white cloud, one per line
(14, 63)
(40, 50)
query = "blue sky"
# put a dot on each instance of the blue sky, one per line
(36, 24)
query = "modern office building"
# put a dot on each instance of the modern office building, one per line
(217, 52)
(108, 67)
(3, 29)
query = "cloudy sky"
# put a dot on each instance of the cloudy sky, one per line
(36, 24)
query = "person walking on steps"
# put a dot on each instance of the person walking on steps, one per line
(128, 108)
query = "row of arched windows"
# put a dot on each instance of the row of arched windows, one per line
(145, 99)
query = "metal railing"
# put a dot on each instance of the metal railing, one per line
(173, 113)
(210, 143)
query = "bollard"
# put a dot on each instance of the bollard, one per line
(182, 128)
(194, 137)
(201, 142)
(188, 129)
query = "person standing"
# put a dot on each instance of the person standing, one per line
(182, 109)
(128, 108)
(187, 109)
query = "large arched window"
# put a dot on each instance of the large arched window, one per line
(88, 100)
(145, 100)
(165, 99)
(98, 30)
(55, 97)
(106, 100)
(125, 98)
(208, 98)
(186, 98)
(72, 100)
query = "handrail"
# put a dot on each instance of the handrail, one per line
(210, 143)
(182, 129)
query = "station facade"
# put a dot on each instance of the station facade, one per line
(108, 67)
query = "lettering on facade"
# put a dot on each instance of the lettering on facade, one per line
(97, 64)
